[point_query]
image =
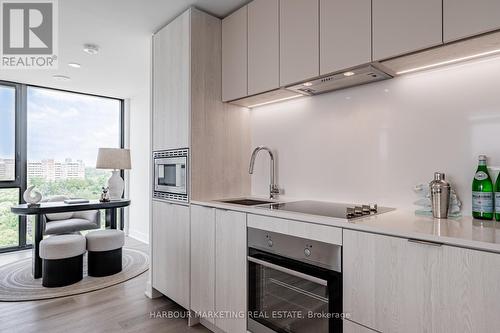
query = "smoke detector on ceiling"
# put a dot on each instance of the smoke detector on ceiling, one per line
(91, 49)
(61, 77)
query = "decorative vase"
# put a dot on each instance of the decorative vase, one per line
(116, 185)
(32, 197)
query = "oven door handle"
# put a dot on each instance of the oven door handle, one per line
(288, 271)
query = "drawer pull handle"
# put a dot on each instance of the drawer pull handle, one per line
(418, 241)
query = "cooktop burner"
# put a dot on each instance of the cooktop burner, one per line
(329, 209)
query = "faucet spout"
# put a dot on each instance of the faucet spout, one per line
(273, 188)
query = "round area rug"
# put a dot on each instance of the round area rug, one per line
(17, 283)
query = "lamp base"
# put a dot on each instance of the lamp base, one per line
(116, 185)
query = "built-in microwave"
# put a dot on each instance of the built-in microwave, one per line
(171, 175)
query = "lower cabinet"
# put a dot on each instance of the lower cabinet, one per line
(203, 260)
(231, 270)
(352, 327)
(170, 251)
(219, 267)
(393, 284)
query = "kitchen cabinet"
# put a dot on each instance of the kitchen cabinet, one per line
(170, 251)
(263, 46)
(345, 34)
(463, 18)
(299, 40)
(171, 85)
(231, 269)
(352, 327)
(188, 111)
(234, 55)
(393, 284)
(403, 26)
(203, 260)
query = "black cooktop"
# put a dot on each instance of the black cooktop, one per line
(329, 209)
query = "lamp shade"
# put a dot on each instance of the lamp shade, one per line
(113, 158)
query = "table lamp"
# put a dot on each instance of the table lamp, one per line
(115, 159)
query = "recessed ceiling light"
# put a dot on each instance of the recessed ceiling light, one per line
(74, 65)
(91, 49)
(349, 73)
(61, 77)
(307, 84)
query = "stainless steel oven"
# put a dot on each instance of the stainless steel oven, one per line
(294, 284)
(171, 175)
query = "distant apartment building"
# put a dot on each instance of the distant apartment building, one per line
(7, 169)
(48, 169)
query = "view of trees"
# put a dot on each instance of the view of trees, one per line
(88, 188)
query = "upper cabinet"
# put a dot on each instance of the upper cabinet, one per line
(263, 46)
(345, 34)
(299, 40)
(403, 26)
(234, 55)
(171, 85)
(465, 18)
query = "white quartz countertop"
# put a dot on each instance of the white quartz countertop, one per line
(464, 232)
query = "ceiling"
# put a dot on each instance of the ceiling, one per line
(122, 29)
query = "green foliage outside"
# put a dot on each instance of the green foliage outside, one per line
(88, 188)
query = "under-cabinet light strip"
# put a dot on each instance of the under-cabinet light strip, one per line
(276, 100)
(447, 62)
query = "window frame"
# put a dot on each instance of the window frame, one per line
(21, 151)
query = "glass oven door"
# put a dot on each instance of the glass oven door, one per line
(288, 296)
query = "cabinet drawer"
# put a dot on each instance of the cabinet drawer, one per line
(307, 230)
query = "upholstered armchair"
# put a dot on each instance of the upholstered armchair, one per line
(63, 223)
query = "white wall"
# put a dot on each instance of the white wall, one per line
(375, 142)
(139, 175)
(140, 151)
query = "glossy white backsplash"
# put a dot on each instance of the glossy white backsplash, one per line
(373, 143)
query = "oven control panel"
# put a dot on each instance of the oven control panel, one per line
(309, 251)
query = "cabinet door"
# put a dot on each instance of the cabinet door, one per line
(263, 46)
(352, 327)
(231, 269)
(170, 257)
(392, 284)
(299, 40)
(388, 282)
(203, 260)
(465, 18)
(171, 81)
(234, 55)
(345, 34)
(403, 26)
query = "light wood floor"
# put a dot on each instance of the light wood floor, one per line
(121, 308)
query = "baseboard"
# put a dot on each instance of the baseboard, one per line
(137, 235)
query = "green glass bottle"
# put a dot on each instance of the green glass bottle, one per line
(497, 198)
(482, 192)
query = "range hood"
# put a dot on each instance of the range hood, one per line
(353, 77)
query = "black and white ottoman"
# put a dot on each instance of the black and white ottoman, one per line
(105, 252)
(62, 259)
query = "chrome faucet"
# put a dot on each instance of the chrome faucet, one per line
(274, 190)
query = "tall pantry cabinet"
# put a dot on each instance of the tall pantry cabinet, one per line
(188, 112)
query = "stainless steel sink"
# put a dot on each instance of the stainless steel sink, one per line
(247, 202)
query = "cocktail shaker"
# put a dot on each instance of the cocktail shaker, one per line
(440, 196)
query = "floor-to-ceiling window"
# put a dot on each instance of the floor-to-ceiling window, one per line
(9, 179)
(51, 138)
